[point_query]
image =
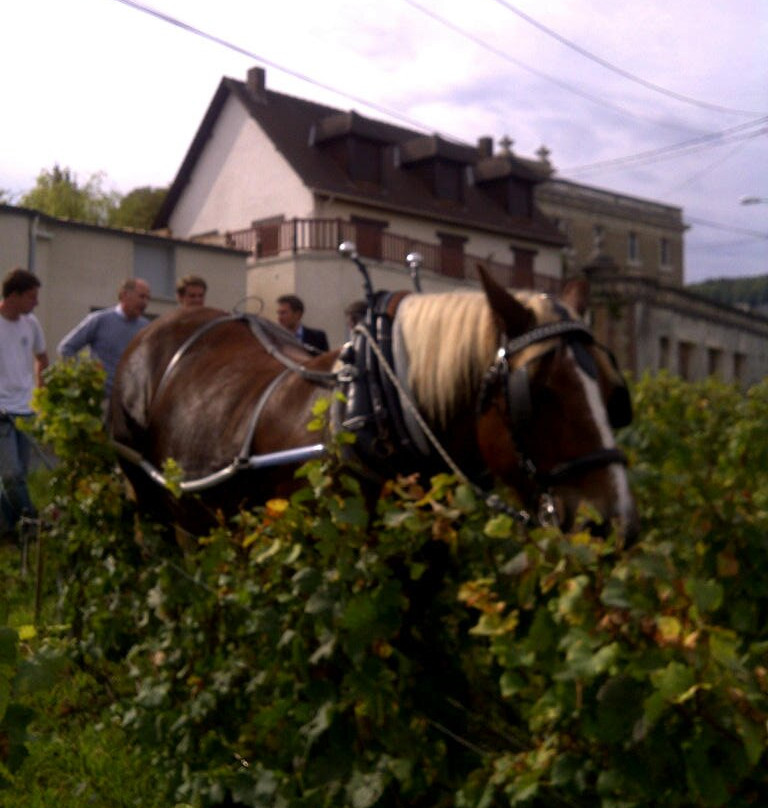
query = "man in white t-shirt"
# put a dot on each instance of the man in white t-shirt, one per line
(22, 361)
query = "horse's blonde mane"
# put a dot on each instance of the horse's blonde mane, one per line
(451, 340)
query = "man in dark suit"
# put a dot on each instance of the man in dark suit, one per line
(290, 310)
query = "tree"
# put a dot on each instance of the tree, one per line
(138, 208)
(57, 192)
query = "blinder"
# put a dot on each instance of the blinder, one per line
(517, 381)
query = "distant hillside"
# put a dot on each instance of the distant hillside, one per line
(741, 292)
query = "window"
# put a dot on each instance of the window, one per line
(522, 271)
(685, 360)
(520, 199)
(268, 236)
(452, 254)
(665, 257)
(155, 264)
(365, 160)
(598, 237)
(663, 353)
(449, 182)
(368, 236)
(739, 366)
(633, 248)
(714, 361)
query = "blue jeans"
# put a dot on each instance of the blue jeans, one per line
(15, 450)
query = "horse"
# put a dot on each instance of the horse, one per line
(508, 390)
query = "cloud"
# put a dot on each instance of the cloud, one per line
(100, 86)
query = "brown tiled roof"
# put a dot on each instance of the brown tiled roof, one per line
(298, 129)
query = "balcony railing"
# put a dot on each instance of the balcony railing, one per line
(308, 235)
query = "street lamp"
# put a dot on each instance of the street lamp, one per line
(753, 200)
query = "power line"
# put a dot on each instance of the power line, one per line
(677, 149)
(689, 180)
(705, 141)
(742, 231)
(243, 51)
(512, 60)
(618, 70)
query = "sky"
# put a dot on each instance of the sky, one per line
(662, 99)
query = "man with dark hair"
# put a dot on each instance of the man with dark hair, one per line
(107, 332)
(290, 310)
(190, 291)
(22, 361)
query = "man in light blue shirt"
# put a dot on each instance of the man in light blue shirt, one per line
(107, 332)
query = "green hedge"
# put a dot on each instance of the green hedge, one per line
(436, 655)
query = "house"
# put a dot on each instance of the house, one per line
(82, 265)
(288, 180)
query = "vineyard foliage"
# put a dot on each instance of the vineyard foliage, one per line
(434, 654)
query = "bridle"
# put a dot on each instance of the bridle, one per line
(515, 384)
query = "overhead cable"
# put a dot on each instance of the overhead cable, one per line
(620, 71)
(243, 51)
(512, 60)
(740, 132)
(717, 226)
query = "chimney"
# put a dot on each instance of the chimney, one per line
(256, 82)
(484, 147)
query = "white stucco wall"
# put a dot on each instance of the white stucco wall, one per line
(239, 177)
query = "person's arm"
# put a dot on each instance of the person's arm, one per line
(41, 363)
(78, 338)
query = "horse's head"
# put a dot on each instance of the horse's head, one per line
(548, 405)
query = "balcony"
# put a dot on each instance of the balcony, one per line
(374, 243)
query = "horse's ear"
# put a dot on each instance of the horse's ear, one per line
(576, 294)
(513, 317)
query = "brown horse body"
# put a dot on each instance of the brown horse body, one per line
(199, 413)
(200, 388)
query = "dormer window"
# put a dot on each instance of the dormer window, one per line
(365, 160)
(448, 181)
(438, 163)
(354, 143)
(508, 183)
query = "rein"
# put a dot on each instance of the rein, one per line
(389, 415)
(493, 501)
(243, 460)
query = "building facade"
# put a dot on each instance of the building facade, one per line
(287, 180)
(81, 266)
(643, 237)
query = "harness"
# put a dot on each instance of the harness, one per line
(244, 460)
(378, 409)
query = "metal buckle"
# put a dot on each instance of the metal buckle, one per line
(547, 514)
